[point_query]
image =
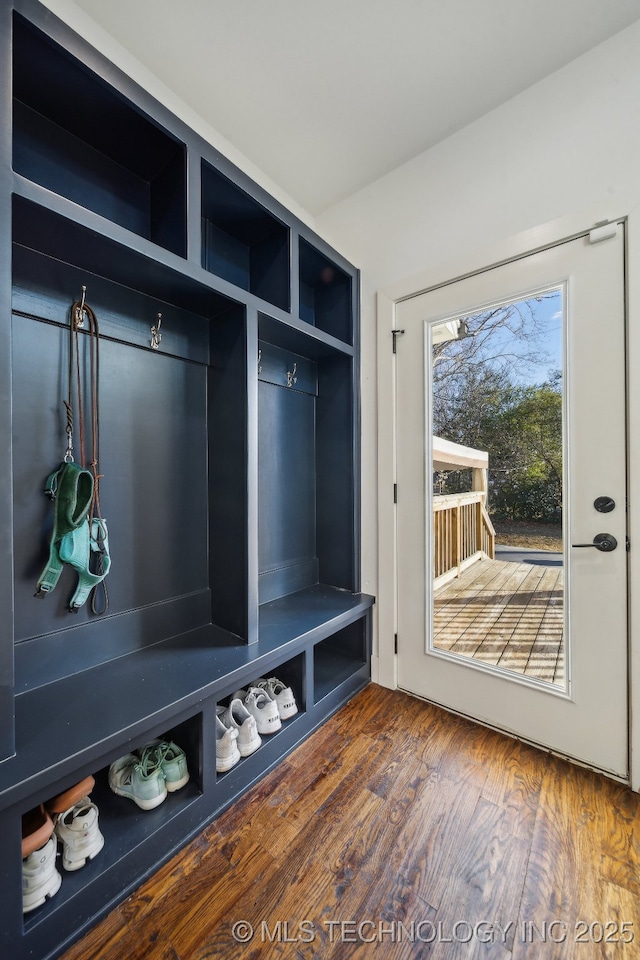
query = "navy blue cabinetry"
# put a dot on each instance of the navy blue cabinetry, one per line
(230, 454)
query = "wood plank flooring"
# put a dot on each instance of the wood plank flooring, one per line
(397, 831)
(507, 614)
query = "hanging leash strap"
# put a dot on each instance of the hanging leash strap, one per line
(80, 536)
(98, 560)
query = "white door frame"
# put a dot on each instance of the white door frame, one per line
(385, 660)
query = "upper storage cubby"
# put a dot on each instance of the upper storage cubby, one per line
(78, 137)
(243, 242)
(325, 294)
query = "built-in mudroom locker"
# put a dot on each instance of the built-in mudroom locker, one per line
(179, 421)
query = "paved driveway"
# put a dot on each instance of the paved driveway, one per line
(542, 558)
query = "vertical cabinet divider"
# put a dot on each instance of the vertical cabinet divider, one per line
(252, 474)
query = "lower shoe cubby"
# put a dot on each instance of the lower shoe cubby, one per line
(338, 658)
(131, 834)
(288, 677)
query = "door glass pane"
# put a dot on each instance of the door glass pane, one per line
(495, 508)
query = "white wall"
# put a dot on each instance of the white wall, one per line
(566, 149)
(569, 139)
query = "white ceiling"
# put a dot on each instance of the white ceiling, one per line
(325, 96)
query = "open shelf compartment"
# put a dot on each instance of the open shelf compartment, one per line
(78, 137)
(325, 293)
(338, 658)
(243, 242)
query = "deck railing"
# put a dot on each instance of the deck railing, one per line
(462, 534)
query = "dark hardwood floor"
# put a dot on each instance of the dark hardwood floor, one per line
(398, 830)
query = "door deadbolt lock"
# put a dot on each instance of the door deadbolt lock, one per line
(604, 504)
(604, 542)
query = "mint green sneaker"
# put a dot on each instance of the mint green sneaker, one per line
(140, 779)
(171, 759)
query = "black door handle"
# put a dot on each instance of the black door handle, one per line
(602, 541)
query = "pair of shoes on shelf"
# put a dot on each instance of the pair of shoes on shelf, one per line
(270, 702)
(262, 707)
(236, 734)
(283, 696)
(258, 710)
(71, 818)
(158, 768)
(38, 824)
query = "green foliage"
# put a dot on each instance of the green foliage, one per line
(521, 427)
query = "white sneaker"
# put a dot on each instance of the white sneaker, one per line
(237, 717)
(261, 706)
(274, 688)
(78, 830)
(227, 753)
(40, 879)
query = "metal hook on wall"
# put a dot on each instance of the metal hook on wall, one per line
(291, 377)
(80, 313)
(156, 336)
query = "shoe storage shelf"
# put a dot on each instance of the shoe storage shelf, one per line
(230, 455)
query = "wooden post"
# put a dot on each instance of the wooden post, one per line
(480, 481)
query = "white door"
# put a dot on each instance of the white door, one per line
(530, 638)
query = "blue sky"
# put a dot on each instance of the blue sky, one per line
(545, 330)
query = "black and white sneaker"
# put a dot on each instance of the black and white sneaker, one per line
(283, 696)
(261, 706)
(237, 717)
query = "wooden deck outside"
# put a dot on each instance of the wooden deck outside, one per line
(507, 614)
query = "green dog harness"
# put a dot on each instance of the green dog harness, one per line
(79, 549)
(75, 538)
